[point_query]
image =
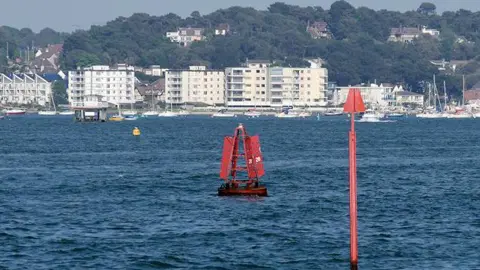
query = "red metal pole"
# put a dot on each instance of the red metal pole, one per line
(353, 195)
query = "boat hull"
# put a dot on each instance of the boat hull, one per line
(15, 112)
(47, 113)
(243, 191)
(218, 115)
(167, 114)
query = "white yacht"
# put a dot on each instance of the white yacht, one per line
(371, 116)
(150, 113)
(223, 113)
(167, 114)
(305, 114)
(252, 113)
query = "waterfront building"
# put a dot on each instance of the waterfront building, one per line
(377, 95)
(23, 89)
(113, 85)
(258, 83)
(197, 85)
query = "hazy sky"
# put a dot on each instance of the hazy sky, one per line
(68, 15)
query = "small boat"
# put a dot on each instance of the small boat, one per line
(286, 113)
(223, 113)
(150, 113)
(116, 118)
(67, 113)
(129, 113)
(430, 115)
(371, 116)
(183, 112)
(2, 117)
(242, 180)
(167, 114)
(130, 117)
(332, 113)
(305, 114)
(47, 113)
(395, 115)
(252, 113)
(50, 112)
(15, 112)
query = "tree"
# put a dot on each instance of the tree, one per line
(427, 8)
(59, 91)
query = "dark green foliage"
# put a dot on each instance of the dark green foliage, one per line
(427, 8)
(59, 91)
(359, 51)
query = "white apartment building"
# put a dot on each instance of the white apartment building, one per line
(260, 84)
(377, 95)
(195, 85)
(23, 89)
(116, 86)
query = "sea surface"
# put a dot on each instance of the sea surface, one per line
(92, 196)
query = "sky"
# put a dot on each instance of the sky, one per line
(62, 15)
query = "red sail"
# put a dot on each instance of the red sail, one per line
(226, 157)
(254, 157)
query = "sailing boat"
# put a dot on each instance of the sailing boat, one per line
(168, 113)
(152, 111)
(117, 117)
(54, 112)
(253, 112)
(286, 113)
(460, 112)
(431, 112)
(306, 113)
(233, 167)
(131, 112)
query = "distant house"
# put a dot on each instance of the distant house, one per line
(47, 59)
(222, 29)
(431, 32)
(318, 30)
(473, 95)
(407, 97)
(447, 66)
(185, 36)
(408, 34)
(404, 34)
(155, 90)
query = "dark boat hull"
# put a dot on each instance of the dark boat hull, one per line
(243, 191)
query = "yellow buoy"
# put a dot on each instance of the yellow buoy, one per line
(136, 131)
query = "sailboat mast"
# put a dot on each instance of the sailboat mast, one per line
(151, 102)
(463, 90)
(445, 95)
(434, 93)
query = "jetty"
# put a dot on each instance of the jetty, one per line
(91, 109)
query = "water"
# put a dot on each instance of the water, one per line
(93, 196)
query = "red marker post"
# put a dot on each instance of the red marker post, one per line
(353, 105)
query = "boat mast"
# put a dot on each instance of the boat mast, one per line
(444, 96)
(463, 90)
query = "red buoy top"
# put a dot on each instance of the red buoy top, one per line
(354, 103)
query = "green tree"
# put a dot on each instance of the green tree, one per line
(59, 90)
(427, 8)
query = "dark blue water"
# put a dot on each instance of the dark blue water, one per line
(92, 196)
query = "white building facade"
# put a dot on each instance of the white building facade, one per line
(23, 89)
(116, 86)
(376, 95)
(259, 84)
(195, 85)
